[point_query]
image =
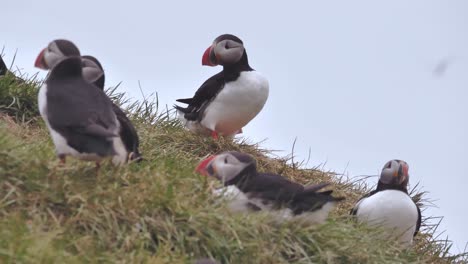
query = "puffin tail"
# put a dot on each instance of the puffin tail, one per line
(181, 109)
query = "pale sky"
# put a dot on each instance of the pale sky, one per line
(352, 80)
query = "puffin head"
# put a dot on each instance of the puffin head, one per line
(93, 71)
(226, 49)
(226, 166)
(56, 51)
(395, 173)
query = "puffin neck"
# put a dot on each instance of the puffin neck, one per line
(384, 186)
(66, 68)
(242, 180)
(231, 72)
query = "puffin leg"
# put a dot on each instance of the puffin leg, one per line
(214, 135)
(98, 166)
(63, 159)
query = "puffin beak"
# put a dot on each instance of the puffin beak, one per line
(402, 173)
(405, 170)
(202, 167)
(40, 61)
(206, 61)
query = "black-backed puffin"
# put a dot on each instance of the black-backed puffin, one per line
(78, 115)
(93, 72)
(247, 190)
(390, 206)
(3, 67)
(227, 101)
(4, 71)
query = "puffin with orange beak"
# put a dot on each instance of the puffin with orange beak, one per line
(229, 100)
(390, 206)
(78, 115)
(250, 190)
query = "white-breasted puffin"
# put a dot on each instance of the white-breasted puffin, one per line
(229, 100)
(249, 190)
(78, 115)
(93, 72)
(390, 206)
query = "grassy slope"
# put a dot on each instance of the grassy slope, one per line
(158, 211)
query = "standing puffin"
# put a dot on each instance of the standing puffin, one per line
(227, 101)
(78, 115)
(389, 205)
(249, 190)
(93, 72)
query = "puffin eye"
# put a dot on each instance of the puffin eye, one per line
(389, 165)
(225, 160)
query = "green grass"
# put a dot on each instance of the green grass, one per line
(160, 211)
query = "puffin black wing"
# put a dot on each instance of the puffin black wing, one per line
(128, 133)
(204, 95)
(311, 199)
(418, 223)
(79, 111)
(271, 187)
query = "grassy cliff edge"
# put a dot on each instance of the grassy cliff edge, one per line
(160, 211)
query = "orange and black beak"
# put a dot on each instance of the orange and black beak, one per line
(402, 173)
(209, 58)
(40, 63)
(204, 168)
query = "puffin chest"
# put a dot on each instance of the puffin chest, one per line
(237, 103)
(392, 209)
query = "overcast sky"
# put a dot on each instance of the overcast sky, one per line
(357, 82)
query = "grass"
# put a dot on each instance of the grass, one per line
(160, 211)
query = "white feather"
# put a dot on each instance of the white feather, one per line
(235, 105)
(121, 155)
(393, 210)
(236, 200)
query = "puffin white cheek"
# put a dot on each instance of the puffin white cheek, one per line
(228, 55)
(223, 171)
(51, 58)
(91, 74)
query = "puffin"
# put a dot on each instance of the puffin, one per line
(230, 99)
(390, 205)
(79, 116)
(4, 71)
(250, 191)
(3, 67)
(93, 72)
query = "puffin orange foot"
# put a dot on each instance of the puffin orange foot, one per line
(214, 135)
